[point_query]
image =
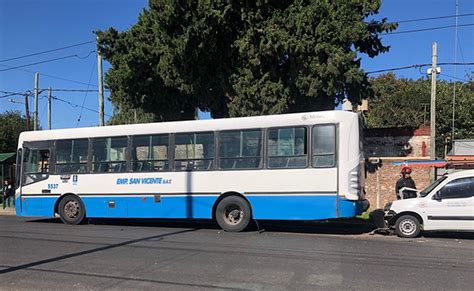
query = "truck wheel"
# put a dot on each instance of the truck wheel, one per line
(71, 210)
(407, 226)
(233, 214)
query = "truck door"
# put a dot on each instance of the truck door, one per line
(452, 207)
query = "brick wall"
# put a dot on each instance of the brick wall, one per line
(397, 142)
(394, 145)
(388, 176)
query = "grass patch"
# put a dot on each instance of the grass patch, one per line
(364, 215)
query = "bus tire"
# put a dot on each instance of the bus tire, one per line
(233, 213)
(407, 226)
(71, 210)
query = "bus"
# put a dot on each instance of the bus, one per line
(300, 166)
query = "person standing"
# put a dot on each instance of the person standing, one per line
(8, 193)
(405, 181)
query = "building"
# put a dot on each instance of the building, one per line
(7, 166)
(384, 148)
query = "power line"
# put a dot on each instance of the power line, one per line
(454, 77)
(426, 29)
(75, 90)
(47, 61)
(434, 17)
(462, 55)
(85, 95)
(418, 66)
(52, 97)
(9, 94)
(51, 76)
(74, 105)
(48, 51)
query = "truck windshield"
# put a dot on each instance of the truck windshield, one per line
(432, 186)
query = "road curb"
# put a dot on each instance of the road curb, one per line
(7, 212)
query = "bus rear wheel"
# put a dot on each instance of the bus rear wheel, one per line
(71, 210)
(233, 214)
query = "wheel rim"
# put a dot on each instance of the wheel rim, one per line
(233, 214)
(407, 227)
(72, 209)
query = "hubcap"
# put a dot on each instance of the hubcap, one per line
(71, 209)
(233, 214)
(407, 227)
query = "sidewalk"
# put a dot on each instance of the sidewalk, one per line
(7, 211)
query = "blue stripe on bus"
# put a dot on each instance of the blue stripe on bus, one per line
(272, 207)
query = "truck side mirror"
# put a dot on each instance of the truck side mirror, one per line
(437, 196)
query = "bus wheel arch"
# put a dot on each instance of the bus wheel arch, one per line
(232, 211)
(71, 208)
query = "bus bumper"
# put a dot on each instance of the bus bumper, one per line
(362, 206)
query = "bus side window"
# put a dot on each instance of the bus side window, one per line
(150, 153)
(109, 155)
(287, 147)
(194, 151)
(324, 146)
(71, 156)
(240, 149)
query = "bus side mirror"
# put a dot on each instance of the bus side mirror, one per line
(437, 196)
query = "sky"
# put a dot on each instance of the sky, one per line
(30, 26)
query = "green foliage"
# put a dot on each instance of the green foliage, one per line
(12, 123)
(240, 58)
(130, 116)
(400, 102)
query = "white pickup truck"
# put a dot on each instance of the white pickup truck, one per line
(445, 205)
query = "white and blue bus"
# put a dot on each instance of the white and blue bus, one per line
(304, 166)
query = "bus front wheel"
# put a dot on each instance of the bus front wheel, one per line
(233, 214)
(71, 210)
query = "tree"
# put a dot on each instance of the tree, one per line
(240, 58)
(130, 116)
(12, 123)
(400, 102)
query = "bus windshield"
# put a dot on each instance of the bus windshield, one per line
(432, 186)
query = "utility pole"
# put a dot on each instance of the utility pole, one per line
(27, 111)
(35, 124)
(101, 87)
(433, 71)
(454, 83)
(49, 109)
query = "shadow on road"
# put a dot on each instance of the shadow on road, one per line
(90, 251)
(455, 235)
(338, 226)
(345, 226)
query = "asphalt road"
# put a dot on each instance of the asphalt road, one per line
(46, 254)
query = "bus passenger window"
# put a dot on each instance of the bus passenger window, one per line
(109, 155)
(71, 156)
(150, 153)
(194, 151)
(240, 149)
(324, 146)
(287, 147)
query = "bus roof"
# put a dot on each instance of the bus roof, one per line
(306, 118)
